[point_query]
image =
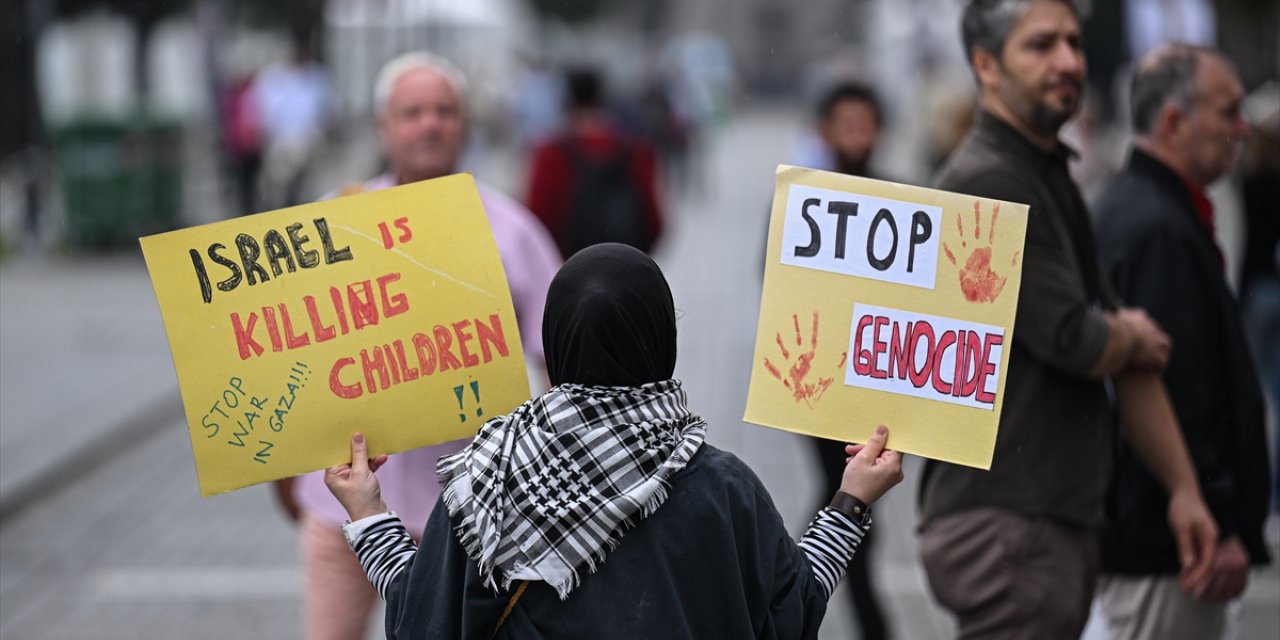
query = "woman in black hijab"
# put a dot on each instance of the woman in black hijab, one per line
(596, 510)
(610, 320)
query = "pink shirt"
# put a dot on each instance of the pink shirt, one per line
(530, 259)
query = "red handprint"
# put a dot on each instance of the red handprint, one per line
(978, 281)
(808, 392)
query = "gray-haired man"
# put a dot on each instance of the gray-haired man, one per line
(1011, 551)
(422, 121)
(1156, 236)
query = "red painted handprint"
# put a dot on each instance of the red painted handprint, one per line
(798, 372)
(978, 281)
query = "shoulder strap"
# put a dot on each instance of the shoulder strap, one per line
(511, 604)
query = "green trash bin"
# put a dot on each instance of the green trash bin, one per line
(122, 180)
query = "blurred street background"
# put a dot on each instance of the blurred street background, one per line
(121, 118)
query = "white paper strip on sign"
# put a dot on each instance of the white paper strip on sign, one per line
(861, 235)
(925, 356)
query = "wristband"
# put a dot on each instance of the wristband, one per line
(857, 510)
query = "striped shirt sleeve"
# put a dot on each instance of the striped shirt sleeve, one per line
(383, 546)
(829, 545)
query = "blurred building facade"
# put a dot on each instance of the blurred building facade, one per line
(109, 60)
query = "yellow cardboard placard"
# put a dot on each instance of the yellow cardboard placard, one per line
(877, 298)
(386, 312)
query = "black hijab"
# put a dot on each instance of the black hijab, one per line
(610, 320)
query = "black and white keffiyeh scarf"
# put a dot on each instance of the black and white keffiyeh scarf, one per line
(546, 491)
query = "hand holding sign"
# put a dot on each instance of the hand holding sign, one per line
(354, 484)
(871, 469)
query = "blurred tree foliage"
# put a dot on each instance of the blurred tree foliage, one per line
(303, 19)
(19, 110)
(1247, 5)
(568, 11)
(144, 15)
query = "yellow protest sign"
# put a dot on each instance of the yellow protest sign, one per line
(386, 312)
(887, 304)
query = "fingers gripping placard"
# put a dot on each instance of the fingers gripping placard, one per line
(292, 329)
(914, 291)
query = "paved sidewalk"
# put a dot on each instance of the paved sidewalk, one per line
(85, 369)
(131, 551)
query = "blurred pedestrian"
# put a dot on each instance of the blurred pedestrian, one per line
(591, 184)
(666, 131)
(850, 120)
(849, 125)
(1156, 235)
(1151, 23)
(1260, 271)
(596, 510)
(1011, 551)
(242, 141)
(421, 105)
(293, 100)
(536, 103)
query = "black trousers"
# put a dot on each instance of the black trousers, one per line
(866, 605)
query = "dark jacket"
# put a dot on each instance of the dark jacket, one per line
(714, 561)
(1056, 426)
(1162, 258)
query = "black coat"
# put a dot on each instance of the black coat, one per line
(1162, 258)
(714, 561)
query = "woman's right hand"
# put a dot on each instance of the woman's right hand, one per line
(354, 484)
(871, 469)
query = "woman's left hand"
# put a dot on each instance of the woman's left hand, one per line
(354, 484)
(871, 469)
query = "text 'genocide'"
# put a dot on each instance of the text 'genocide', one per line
(960, 363)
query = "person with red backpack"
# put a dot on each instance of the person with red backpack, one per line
(242, 141)
(591, 184)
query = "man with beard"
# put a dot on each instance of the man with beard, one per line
(1011, 551)
(420, 101)
(1156, 228)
